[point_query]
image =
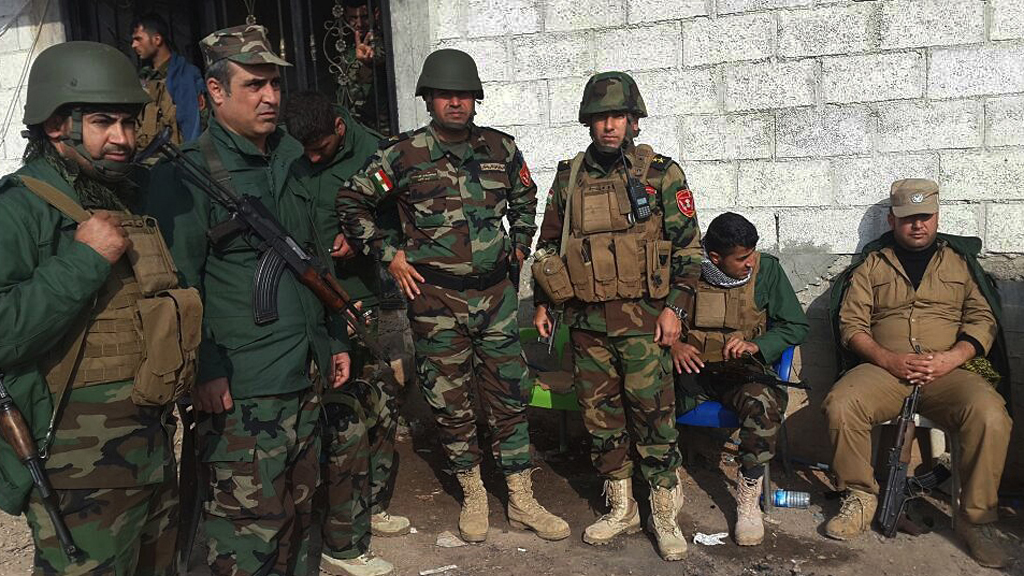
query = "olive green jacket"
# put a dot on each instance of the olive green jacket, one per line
(47, 279)
(257, 360)
(359, 275)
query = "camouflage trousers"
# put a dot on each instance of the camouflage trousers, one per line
(467, 345)
(624, 387)
(119, 531)
(359, 446)
(759, 408)
(263, 456)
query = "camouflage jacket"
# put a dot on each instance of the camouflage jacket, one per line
(358, 275)
(258, 360)
(451, 200)
(670, 195)
(102, 439)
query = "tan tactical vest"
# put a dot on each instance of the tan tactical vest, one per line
(608, 256)
(141, 326)
(723, 313)
(157, 114)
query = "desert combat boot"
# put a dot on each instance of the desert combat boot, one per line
(365, 565)
(525, 513)
(384, 524)
(982, 542)
(623, 518)
(749, 523)
(473, 517)
(664, 508)
(854, 517)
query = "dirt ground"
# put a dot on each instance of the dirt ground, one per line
(794, 545)
(566, 485)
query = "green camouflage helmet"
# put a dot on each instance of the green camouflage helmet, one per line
(611, 92)
(80, 73)
(449, 69)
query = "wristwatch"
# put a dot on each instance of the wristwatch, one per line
(679, 312)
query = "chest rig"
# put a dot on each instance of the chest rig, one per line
(608, 255)
(724, 313)
(141, 325)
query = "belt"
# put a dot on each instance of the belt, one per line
(466, 282)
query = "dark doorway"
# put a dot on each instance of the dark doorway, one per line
(316, 36)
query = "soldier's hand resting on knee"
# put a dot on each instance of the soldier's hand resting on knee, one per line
(686, 358)
(104, 234)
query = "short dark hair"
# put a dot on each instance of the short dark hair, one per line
(355, 4)
(309, 116)
(153, 24)
(727, 231)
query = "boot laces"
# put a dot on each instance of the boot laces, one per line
(748, 492)
(524, 495)
(664, 512)
(851, 507)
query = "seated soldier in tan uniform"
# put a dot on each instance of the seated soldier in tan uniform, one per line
(729, 343)
(914, 313)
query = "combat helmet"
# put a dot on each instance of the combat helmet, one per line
(77, 74)
(449, 69)
(611, 92)
(80, 73)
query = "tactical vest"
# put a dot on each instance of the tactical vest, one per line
(607, 254)
(141, 325)
(157, 114)
(723, 313)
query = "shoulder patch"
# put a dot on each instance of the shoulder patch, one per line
(661, 163)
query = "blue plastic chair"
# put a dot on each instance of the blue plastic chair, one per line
(712, 414)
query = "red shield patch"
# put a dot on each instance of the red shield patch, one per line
(524, 175)
(684, 199)
(650, 190)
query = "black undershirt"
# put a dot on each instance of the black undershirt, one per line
(914, 264)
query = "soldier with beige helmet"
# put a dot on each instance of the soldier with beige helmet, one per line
(918, 310)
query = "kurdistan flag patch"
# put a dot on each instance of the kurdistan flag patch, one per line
(382, 182)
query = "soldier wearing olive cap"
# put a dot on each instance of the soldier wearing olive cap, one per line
(918, 310)
(258, 405)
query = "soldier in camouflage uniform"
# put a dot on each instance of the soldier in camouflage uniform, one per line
(740, 292)
(363, 85)
(454, 182)
(259, 408)
(631, 278)
(65, 354)
(359, 435)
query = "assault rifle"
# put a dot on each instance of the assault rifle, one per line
(899, 489)
(278, 250)
(747, 369)
(15, 431)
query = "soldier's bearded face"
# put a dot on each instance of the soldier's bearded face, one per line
(452, 110)
(915, 232)
(608, 129)
(250, 107)
(737, 264)
(106, 135)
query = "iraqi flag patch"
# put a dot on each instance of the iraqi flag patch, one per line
(382, 182)
(684, 199)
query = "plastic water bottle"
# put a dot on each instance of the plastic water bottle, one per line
(791, 499)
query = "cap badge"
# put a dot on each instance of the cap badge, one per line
(917, 198)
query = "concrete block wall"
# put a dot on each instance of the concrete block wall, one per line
(796, 113)
(28, 27)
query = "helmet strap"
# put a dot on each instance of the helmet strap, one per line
(106, 170)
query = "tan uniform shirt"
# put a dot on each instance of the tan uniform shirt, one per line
(881, 301)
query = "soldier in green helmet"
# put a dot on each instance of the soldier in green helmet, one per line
(454, 182)
(257, 396)
(77, 274)
(620, 247)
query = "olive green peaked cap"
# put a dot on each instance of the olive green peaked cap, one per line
(245, 44)
(611, 92)
(449, 69)
(80, 73)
